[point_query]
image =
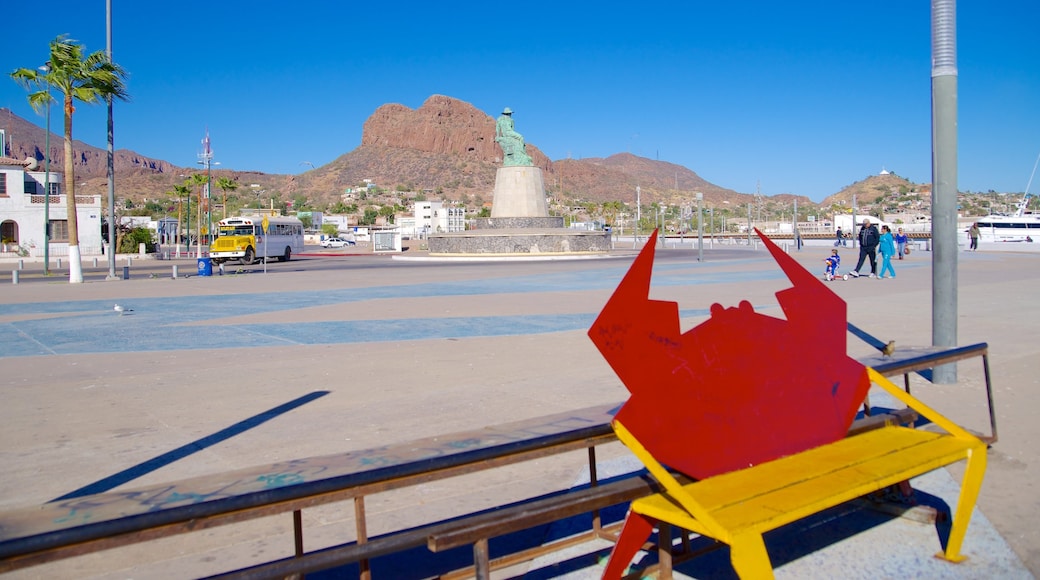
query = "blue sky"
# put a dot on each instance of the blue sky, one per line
(797, 97)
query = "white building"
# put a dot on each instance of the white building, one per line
(22, 209)
(432, 217)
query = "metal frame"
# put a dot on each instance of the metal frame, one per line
(917, 359)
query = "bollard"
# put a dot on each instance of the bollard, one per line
(14, 276)
(59, 263)
(126, 272)
(95, 262)
(175, 271)
(21, 264)
(129, 261)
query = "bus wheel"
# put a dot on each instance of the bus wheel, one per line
(286, 256)
(249, 258)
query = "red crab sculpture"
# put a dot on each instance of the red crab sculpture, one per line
(725, 394)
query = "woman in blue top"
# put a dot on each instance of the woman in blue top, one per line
(888, 249)
(901, 240)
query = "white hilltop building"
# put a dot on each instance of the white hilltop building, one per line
(849, 223)
(23, 205)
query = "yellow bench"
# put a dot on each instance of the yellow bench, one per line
(739, 506)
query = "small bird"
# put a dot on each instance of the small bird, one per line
(888, 349)
(122, 309)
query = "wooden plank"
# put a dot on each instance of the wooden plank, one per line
(537, 511)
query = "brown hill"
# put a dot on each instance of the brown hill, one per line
(617, 176)
(869, 190)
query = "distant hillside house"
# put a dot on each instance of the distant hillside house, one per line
(22, 202)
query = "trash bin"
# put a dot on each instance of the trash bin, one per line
(205, 267)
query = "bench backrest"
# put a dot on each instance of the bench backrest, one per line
(740, 388)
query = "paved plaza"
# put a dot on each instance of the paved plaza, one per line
(358, 351)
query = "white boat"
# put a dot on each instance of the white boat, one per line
(1021, 227)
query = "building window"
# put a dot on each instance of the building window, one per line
(3, 184)
(59, 230)
(54, 187)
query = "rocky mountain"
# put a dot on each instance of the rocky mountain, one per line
(445, 148)
(25, 140)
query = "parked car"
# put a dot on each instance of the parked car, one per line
(335, 243)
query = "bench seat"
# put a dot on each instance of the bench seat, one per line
(775, 493)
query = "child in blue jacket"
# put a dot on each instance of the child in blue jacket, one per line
(832, 262)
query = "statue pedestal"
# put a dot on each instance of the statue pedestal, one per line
(520, 224)
(519, 192)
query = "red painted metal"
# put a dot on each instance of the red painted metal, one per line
(731, 392)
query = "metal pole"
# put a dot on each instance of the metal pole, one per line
(47, 185)
(209, 203)
(111, 159)
(749, 224)
(944, 180)
(638, 213)
(855, 238)
(794, 227)
(700, 228)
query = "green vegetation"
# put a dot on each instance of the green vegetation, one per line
(130, 241)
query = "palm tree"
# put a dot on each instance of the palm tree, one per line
(181, 191)
(91, 79)
(226, 185)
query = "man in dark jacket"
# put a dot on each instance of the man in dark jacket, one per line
(868, 243)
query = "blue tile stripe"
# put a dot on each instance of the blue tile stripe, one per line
(177, 323)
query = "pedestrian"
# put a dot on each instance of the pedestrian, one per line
(973, 235)
(841, 238)
(868, 242)
(901, 240)
(887, 248)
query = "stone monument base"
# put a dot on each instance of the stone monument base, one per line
(519, 241)
(519, 192)
(512, 223)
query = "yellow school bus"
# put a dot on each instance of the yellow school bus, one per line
(243, 238)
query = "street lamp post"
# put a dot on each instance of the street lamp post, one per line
(700, 228)
(187, 222)
(206, 160)
(46, 68)
(110, 157)
(635, 228)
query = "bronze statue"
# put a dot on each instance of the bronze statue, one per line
(514, 151)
